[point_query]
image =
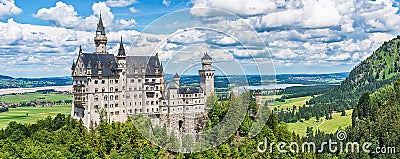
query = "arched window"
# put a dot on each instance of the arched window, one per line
(116, 97)
(96, 98)
(105, 97)
(111, 97)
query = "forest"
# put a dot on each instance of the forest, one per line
(63, 137)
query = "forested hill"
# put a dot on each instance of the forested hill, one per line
(380, 69)
(10, 82)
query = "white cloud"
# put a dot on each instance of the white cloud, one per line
(239, 7)
(120, 3)
(64, 15)
(10, 32)
(8, 8)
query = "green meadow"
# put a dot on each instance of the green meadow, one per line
(34, 113)
(328, 126)
(27, 97)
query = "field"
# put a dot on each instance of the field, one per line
(27, 97)
(34, 114)
(299, 101)
(329, 126)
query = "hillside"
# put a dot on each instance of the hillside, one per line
(378, 70)
(10, 82)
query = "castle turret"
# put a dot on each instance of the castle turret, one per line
(176, 80)
(100, 39)
(121, 56)
(207, 75)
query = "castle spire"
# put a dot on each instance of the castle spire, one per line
(121, 50)
(73, 65)
(100, 27)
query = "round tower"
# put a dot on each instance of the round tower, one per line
(207, 75)
(100, 39)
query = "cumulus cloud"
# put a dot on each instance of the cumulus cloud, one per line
(120, 3)
(8, 8)
(64, 15)
(309, 32)
(11, 32)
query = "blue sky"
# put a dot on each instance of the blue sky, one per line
(40, 38)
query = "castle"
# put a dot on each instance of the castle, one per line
(112, 88)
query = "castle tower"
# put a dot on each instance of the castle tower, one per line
(100, 39)
(207, 75)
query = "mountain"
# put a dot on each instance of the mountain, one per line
(378, 70)
(10, 82)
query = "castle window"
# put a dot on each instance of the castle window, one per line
(130, 88)
(132, 80)
(116, 81)
(116, 105)
(96, 81)
(111, 105)
(139, 80)
(105, 105)
(156, 87)
(103, 89)
(111, 82)
(96, 98)
(152, 109)
(96, 90)
(105, 98)
(96, 107)
(111, 97)
(111, 89)
(116, 97)
(157, 109)
(152, 102)
(116, 89)
(147, 110)
(103, 81)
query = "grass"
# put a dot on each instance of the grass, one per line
(27, 97)
(299, 101)
(329, 126)
(34, 114)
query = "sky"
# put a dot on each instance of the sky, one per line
(41, 38)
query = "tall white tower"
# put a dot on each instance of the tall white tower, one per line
(207, 75)
(100, 39)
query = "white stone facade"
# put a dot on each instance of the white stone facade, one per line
(112, 88)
